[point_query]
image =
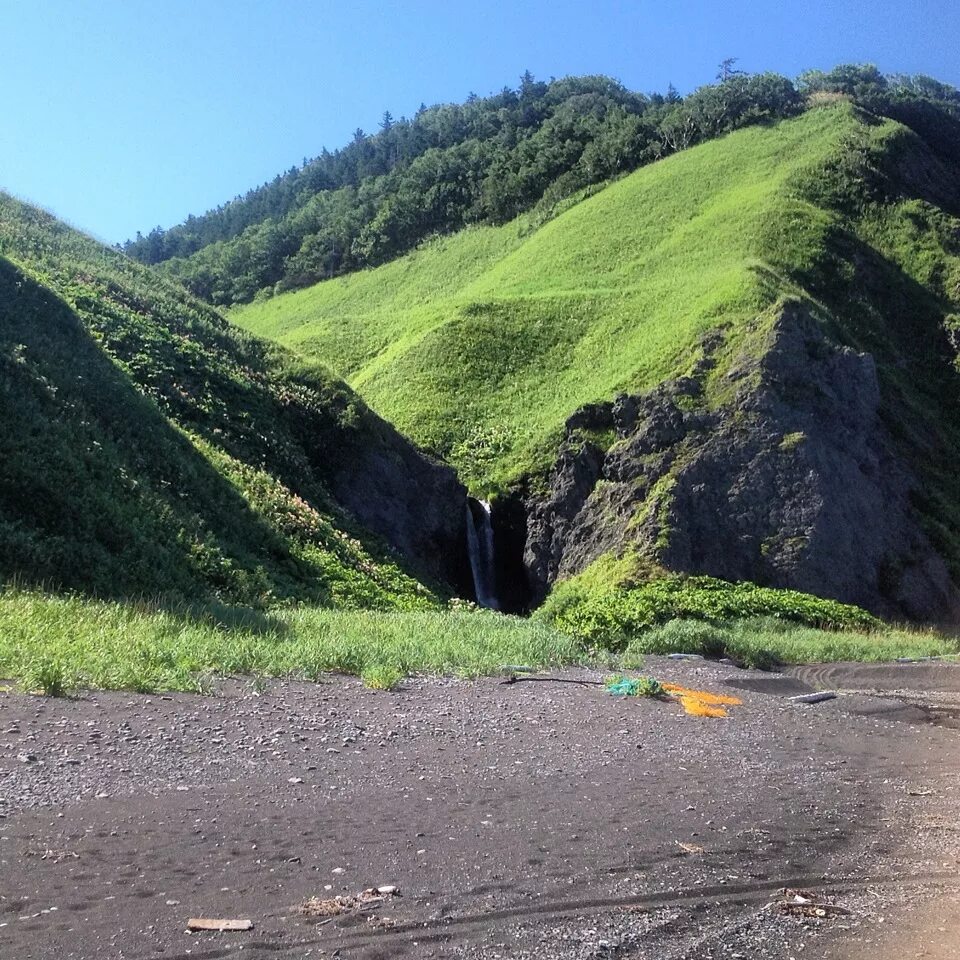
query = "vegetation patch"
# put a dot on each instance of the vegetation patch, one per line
(149, 448)
(766, 642)
(55, 644)
(52, 644)
(610, 620)
(608, 609)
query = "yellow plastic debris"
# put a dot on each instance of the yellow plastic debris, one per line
(701, 703)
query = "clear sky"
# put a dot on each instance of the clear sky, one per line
(119, 115)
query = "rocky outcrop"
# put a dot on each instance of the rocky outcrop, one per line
(390, 486)
(794, 482)
(412, 502)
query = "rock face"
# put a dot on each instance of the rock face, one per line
(395, 490)
(794, 482)
(412, 502)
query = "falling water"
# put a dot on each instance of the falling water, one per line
(480, 544)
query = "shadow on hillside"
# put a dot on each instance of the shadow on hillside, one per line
(878, 308)
(99, 493)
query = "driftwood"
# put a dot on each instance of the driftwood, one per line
(814, 697)
(802, 903)
(203, 923)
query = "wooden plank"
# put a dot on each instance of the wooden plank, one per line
(203, 923)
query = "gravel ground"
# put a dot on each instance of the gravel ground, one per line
(523, 820)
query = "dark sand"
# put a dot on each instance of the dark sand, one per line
(524, 820)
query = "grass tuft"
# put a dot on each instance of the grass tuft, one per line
(45, 674)
(381, 676)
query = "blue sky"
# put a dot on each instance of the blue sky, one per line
(119, 115)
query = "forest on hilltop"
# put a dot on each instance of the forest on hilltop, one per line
(486, 161)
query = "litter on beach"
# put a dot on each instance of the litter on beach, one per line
(334, 906)
(697, 703)
(802, 903)
(701, 703)
(814, 697)
(219, 926)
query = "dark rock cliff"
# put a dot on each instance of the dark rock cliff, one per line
(795, 482)
(412, 502)
(391, 487)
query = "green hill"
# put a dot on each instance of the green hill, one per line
(482, 344)
(482, 161)
(780, 267)
(722, 387)
(150, 449)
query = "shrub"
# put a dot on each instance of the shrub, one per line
(612, 619)
(381, 676)
(46, 675)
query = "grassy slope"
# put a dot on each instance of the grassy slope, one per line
(144, 449)
(481, 344)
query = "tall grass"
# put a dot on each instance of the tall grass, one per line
(52, 643)
(766, 642)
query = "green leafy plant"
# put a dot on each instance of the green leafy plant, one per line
(611, 619)
(381, 676)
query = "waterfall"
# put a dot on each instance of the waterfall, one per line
(480, 545)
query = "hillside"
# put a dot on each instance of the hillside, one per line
(480, 162)
(151, 450)
(487, 341)
(790, 289)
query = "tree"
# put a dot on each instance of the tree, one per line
(727, 70)
(862, 81)
(387, 121)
